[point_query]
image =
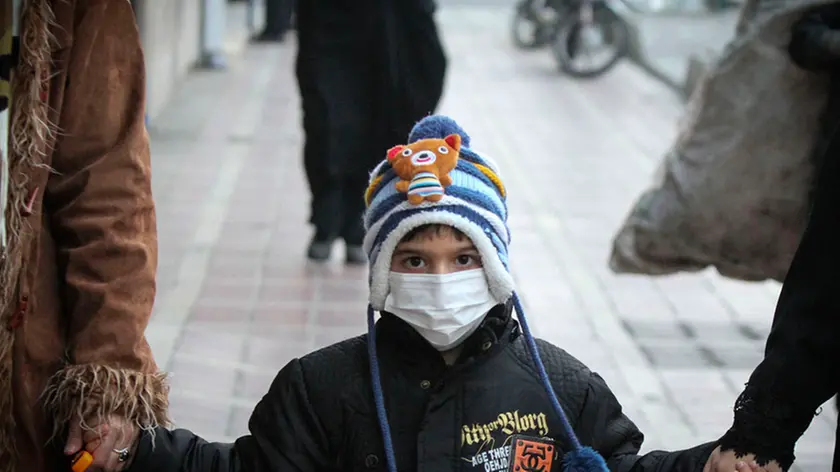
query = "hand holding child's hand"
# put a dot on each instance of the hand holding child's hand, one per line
(728, 462)
(112, 443)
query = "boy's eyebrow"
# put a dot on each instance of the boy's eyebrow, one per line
(411, 250)
(466, 246)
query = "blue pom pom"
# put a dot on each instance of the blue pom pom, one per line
(584, 459)
(437, 127)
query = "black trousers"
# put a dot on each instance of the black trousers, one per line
(347, 134)
(278, 16)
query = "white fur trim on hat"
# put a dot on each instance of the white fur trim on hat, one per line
(498, 278)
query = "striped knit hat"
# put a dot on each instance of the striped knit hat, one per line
(474, 202)
(439, 179)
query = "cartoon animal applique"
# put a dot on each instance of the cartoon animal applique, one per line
(424, 166)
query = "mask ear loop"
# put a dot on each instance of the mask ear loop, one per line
(378, 396)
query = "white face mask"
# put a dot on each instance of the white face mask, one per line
(444, 308)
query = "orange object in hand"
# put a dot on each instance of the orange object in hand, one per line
(82, 461)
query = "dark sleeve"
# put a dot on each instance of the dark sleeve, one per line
(799, 370)
(285, 436)
(815, 39)
(604, 427)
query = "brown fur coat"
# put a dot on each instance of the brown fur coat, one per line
(77, 278)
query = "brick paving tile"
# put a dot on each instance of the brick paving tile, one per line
(237, 299)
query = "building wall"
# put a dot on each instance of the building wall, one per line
(170, 30)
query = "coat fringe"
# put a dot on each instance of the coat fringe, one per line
(8, 453)
(30, 132)
(90, 393)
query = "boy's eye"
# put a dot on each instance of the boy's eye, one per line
(414, 262)
(465, 260)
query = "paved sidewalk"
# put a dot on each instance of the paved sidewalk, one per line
(238, 300)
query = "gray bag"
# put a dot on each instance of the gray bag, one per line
(732, 192)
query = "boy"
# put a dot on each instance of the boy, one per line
(454, 382)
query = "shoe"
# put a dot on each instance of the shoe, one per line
(269, 37)
(355, 255)
(319, 250)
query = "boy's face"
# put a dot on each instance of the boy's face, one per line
(435, 250)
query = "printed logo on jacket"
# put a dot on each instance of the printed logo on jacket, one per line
(486, 446)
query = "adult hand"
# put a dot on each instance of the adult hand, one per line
(728, 462)
(105, 441)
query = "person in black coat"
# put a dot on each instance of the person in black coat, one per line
(368, 70)
(801, 366)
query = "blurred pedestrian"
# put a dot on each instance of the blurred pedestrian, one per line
(278, 20)
(367, 71)
(78, 246)
(801, 366)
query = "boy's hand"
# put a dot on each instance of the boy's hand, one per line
(104, 441)
(727, 462)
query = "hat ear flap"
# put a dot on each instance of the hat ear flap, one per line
(392, 153)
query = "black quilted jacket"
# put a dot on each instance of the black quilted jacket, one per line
(319, 413)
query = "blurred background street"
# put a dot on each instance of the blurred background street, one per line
(238, 299)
